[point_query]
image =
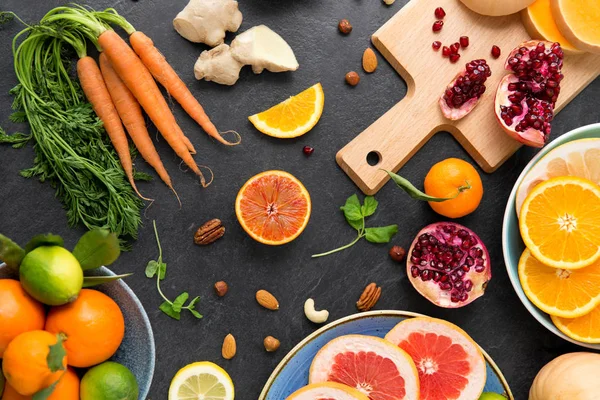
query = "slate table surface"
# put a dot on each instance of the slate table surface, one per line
(498, 321)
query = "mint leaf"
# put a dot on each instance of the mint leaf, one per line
(167, 308)
(96, 248)
(357, 224)
(56, 354)
(352, 209)
(43, 240)
(151, 269)
(180, 301)
(195, 313)
(369, 206)
(162, 270)
(192, 303)
(382, 234)
(90, 281)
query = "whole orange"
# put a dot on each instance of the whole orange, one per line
(25, 364)
(19, 312)
(67, 388)
(94, 327)
(445, 179)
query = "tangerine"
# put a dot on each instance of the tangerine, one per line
(67, 388)
(458, 179)
(19, 312)
(94, 327)
(25, 363)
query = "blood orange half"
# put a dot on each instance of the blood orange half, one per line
(450, 364)
(371, 365)
(273, 207)
(327, 391)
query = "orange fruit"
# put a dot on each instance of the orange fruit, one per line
(67, 388)
(19, 312)
(560, 222)
(25, 364)
(584, 329)
(273, 207)
(449, 177)
(561, 292)
(94, 327)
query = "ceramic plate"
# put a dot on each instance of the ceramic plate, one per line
(137, 350)
(292, 372)
(512, 244)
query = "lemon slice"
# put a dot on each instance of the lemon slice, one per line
(201, 380)
(293, 117)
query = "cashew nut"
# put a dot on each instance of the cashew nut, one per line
(318, 317)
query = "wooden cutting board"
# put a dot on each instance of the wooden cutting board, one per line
(405, 41)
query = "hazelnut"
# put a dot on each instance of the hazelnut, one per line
(271, 344)
(352, 78)
(221, 288)
(397, 253)
(345, 27)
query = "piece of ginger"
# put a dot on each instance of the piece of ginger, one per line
(218, 65)
(206, 21)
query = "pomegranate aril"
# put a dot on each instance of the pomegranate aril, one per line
(496, 52)
(446, 51)
(454, 48)
(307, 150)
(436, 45)
(464, 41)
(454, 58)
(437, 26)
(439, 13)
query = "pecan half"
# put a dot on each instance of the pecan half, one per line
(209, 232)
(369, 297)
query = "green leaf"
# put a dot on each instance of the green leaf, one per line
(415, 193)
(382, 234)
(44, 240)
(167, 308)
(162, 270)
(56, 354)
(192, 303)
(180, 301)
(351, 209)
(90, 281)
(10, 252)
(152, 268)
(96, 248)
(369, 206)
(195, 313)
(357, 224)
(44, 394)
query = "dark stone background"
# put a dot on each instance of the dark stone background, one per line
(498, 321)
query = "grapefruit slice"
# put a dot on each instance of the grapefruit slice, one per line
(327, 391)
(449, 362)
(373, 366)
(273, 207)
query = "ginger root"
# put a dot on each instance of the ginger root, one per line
(206, 21)
(218, 65)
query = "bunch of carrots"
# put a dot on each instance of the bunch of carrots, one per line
(124, 83)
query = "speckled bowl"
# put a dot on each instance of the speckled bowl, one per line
(137, 350)
(512, 244)
(292, 372)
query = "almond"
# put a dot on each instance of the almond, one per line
(229, 347)
(369, 61)
(267, 300)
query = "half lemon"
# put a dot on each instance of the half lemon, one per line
(201, 380)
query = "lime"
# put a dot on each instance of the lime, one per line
(109, 381)
(51, 275)
(491, 396)
(201, 380)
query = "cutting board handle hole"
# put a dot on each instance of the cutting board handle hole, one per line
(373, 158)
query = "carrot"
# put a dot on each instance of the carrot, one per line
(96, 92)
(131, 115)
(166, 75)
(140, 82)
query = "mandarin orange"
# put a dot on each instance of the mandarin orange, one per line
(67, 388)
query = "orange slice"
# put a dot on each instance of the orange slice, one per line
(578, 20)
(560, 222)
(273, 207)
(292, 117)
(561, 292)
(584, 329)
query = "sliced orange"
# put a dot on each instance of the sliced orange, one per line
(561, 292)
(584, 329)
(560, 222)
(273, 207)
(292, 117)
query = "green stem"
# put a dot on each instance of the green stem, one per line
(360, 236)
(159, 262)
(157, 241)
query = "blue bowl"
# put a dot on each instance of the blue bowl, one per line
(512, 244)
(137, 350)
(292, 372)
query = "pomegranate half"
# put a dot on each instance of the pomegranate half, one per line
(449, 265)
(525, 99)
(463, 93)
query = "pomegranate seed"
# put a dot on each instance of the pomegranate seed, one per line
(440, 13)
(307, 150)
(454, 48)
(437, 26)
(436, 45)
(496, 52)
(464, 41)
(454, 58)
(446, 51)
